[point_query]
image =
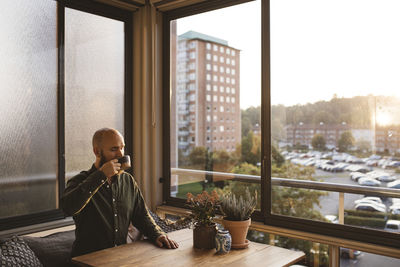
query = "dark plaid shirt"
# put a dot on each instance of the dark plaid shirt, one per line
(102, 212)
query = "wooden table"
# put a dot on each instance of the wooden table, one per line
(144, 253)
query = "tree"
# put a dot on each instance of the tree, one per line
(346, 141)
(277, 158)
(250, 153)
(198, 156)
(318, 142)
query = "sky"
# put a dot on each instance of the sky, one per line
(318, 47)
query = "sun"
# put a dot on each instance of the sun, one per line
(384, 119)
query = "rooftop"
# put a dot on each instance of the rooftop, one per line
(201, 36)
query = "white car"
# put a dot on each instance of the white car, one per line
(392, 226)
(395, 209)
(370, 207)
(366, 201)
(395, 184)
(356, 175)
(368, 181)
(374, 199)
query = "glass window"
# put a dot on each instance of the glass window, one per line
(215, 78)
(215, 48)
(208, 97)
(221, 89)
(228, 60)
(215, 88)
(221, 79)
(215, 98)
(233, 71)
(221, 109)
(208, 66)
(208, 56)
(208, 86)
(28, 107)
(208, 77)
(221, 59)
(215, 58)
(233, 53)
(208, 45)
(221, 49)
(215, 68)
(221, 99)
(233, 62)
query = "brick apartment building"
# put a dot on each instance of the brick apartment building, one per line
(387, 138)
(205, 96)
(303, 133)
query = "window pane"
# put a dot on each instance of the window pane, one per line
(335, 108)
(221, 132)
(94, 83)
(28, 107)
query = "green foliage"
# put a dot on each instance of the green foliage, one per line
(250, 117)
(277, 158)
(346, 141)
(371, 214)
(198, 156)
(251, 149)
(203, 207)
(238, 208)
(318, 142)
(365, 221)
(246, 168)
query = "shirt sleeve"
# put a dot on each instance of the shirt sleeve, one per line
(141, 218)
(80, 189)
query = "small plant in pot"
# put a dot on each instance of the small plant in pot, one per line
(237, 212)
(203, 208)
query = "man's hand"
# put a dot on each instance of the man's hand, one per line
(164, 241)
(110, 168)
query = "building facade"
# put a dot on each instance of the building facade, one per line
(207, 94)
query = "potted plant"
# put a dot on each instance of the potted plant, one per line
(237, 213)
(203, 208)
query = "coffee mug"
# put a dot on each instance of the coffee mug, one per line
(125, 162)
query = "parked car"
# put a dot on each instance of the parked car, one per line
(356, 175)
(349, 253)
(368, 201)
(392, 226)
(370, 207)
(332, 218)
(394, 184)
(395, 209)
(374, 199)
(368, 181)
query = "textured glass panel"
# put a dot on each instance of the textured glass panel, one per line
(28, 107)
(94, 83)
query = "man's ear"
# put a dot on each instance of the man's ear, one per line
(96, 151)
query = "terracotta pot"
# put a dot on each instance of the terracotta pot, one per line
(204, 236)
(238, 231)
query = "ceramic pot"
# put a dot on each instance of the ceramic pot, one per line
(238, 231)
(204, 236)
(223, 242)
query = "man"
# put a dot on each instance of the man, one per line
(103, 202)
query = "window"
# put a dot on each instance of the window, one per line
(215, 78)
(228, 90)
(192, 55)
(208, 56)
(233, 81)
(221, 129)
(208, 46)
(215, 97)
(228, 70)
(208, 118)
(221, 109)
(233, 71)
(228, 60)
(215, 88)
(228, 51)
(37, 164)
(208, 66)
(221, 79)
(233, 90)
(221, 89)
(215, 68)
(233, 53)
(215, 48)
(221, 49)
(221, 99)
(215, 58)
(221, 59)
(228, 99)
(221, 69)
(208, 98)
(228, 80)
(233, 100)
(208, 77)
(233, 62)
(208, 86)
(215, 118)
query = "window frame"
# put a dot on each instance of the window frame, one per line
(29, 220)
(264, 215)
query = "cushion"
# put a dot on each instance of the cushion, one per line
(54, 249)
(15, 252)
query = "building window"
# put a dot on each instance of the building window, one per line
(233, 52)
(215, 88)
(221, 49)
(215, 68)
(208, 118)
(208, 77)
(233, 81)
(221, 89)
(221, 69)
(228, 80)
(221, 99)
(228, 90)
(228, 60)
(221, 59)
(215, 58)
(221, 79)
(221, 129)
(228, 100)
(215, 98)
(233, 90)
(221, 109)
(208, 56)
(228, 51)
(233, 100)
(208, 46)
(233, 62)
(208, 86)
(233, 71)
(208, 66)
(215, 118)
(228, 70)
(192, 55)
(215, 78)
(208, 98)
(215, 48)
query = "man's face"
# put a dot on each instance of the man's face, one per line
(112, 147)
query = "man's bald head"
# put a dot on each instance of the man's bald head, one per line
(102, 133)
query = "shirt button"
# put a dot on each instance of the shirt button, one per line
(102, 181)
(113, 199)
(115, 215)
(90, 192)
(108, 186)
(116, 230)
